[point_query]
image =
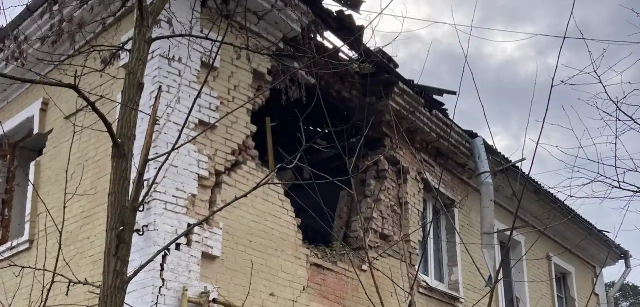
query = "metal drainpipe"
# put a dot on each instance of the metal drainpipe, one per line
(487, 215)
(623, 277)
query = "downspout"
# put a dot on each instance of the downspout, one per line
(487, 215)
(623, 277)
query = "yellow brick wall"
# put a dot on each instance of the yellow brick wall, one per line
(538, 272)
(262, 247)
(88, 174)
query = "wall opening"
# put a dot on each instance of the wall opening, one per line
(311, 135)
(20, 148)
(564, 283)
(513, 286)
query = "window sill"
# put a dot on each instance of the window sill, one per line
(13, 247)
(427, 288)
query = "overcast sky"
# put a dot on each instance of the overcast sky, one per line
(504, 66)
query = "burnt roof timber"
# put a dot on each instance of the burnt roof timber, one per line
(336, 26)
(351, 35)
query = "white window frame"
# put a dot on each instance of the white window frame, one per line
(31, 113)
(600, 287)
(426, 219)
(519, 270)
(570, 272)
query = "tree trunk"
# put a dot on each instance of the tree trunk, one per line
(121, 212)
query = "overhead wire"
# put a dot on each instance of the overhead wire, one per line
(534, 34)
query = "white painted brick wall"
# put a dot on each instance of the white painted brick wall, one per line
(174, 65)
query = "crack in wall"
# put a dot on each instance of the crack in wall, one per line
(305, 287)
(163, 262)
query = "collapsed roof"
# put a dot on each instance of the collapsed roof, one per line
(344, 27)
(422, 97)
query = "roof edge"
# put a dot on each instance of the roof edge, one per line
(27, 12)
(492, 151)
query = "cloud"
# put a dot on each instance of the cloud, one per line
(505, 73)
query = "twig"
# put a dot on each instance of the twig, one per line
(250, 279)
(62, 223)
(201, 221)
(146, 147)
(175, 145)
(535, 150)
(103, 118)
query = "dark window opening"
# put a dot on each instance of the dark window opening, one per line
(508, 288)
(438, 244)
(561, 290)
(310, 135)
(19, 148)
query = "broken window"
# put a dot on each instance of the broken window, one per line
(438, 250)
(20, 148)
(511, 258)
(564, 283)
(310, 136)
(507, 275)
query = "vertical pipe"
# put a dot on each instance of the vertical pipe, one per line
(487, 215)
(620, 281)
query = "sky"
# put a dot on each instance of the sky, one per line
(505, 68)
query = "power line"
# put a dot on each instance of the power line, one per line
(533, 34)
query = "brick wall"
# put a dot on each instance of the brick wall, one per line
(262, 257)
(265, 260)
(262, 247)
(88, 178)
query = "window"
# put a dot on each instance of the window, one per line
(561, 287)
(564, 283)
(507, 275)
(21, 143)
(438, 250)
(511, 258)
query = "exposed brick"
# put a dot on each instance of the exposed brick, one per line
(260, 231)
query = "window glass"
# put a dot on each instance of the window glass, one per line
(507, 275)
(438, 250)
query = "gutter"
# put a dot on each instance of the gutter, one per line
(616, 287)
(487, 214)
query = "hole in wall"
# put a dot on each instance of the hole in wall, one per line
(189, 236)
(322, 131)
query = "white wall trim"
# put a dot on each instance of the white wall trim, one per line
(572, 272)
(458, 254)
(521, 254)
(600, 286)
(32, 113)
(428, 280)
(516, 234)
(174, 66)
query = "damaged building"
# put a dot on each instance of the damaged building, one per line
(348, 184)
